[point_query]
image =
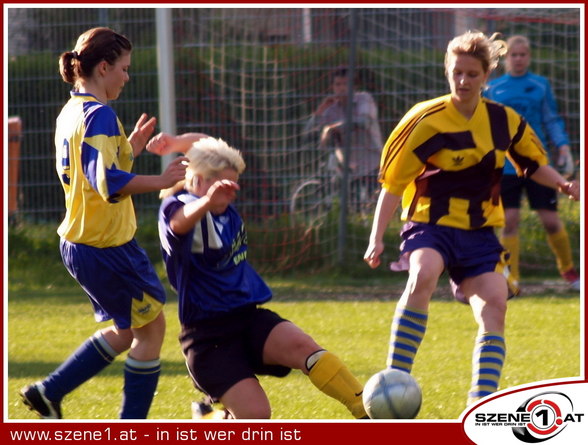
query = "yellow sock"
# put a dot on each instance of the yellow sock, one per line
(511, 243)
(332, 377)
(560, 246)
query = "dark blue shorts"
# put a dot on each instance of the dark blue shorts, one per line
(466, 253)
(120, 282)
(224, 350)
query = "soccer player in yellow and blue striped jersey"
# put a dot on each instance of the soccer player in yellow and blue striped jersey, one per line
(94, 162)
(443, 164)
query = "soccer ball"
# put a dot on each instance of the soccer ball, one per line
(392, 394)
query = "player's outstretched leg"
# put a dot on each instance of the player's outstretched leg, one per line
(287, 345)
(330, 375)
(88, 360)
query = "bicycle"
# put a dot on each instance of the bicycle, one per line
(314, 197)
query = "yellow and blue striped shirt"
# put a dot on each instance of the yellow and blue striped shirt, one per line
(447, 168)
(94, 160)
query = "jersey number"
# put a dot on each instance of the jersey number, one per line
(65, 162)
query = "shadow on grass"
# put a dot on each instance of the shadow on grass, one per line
(38, 370)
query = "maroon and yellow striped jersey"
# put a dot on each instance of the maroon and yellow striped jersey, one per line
(447, 168)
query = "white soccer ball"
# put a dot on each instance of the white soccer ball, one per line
(392, 394)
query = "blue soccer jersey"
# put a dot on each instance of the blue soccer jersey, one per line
(208, 266)
(531, 96)
(94, 161)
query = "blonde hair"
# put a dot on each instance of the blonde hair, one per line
(487, 50)
(208, 157)
(518, 40)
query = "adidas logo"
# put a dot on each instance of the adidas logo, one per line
(457, 160)
(144, 310)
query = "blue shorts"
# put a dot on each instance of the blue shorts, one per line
(120, 282)
(466, 253)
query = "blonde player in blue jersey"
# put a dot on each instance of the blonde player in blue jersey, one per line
(227, 337)
(94, 162)
(443, 163)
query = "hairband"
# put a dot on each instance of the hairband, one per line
(75, 55)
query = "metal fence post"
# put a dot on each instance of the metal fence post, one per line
(348, 128)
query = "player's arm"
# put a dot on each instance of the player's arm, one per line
(385, 209)
(549, 177)
(555, 127)
(216, 200)
(175, 171)
(164, 143)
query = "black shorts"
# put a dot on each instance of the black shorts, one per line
(540, 197)
(222, 351)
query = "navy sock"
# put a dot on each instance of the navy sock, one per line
(89, 359)
(141, 379)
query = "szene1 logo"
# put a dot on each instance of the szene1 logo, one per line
(544, 416)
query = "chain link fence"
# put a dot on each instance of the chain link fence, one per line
(253, 77)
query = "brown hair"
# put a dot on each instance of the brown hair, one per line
(92, 47)
(487, 50)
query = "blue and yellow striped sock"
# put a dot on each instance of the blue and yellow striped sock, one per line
(489, 354)
(141, 379)
(407, 332)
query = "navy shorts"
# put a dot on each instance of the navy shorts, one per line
(120, 282)
(224, 350)
(540, 197)
(466, 253)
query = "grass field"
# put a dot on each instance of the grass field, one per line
(347, 316)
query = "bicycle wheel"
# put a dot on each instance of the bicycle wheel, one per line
(309, 204)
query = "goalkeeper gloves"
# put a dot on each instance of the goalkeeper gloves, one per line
(565, 162)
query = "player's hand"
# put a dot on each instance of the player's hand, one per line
(571, 188)
(221, 194)
(565, 162)
(161, 144)
(372, 254)
(142, 132)
(175, 172)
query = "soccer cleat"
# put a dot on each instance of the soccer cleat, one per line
(205, 411)
(34, 397)
(572, 277)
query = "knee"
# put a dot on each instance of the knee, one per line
(118, 339)
(492, 314)
(552, 227)
(421, 282)
(303, 347)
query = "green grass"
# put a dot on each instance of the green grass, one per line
(343, 315)
(346, 312)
